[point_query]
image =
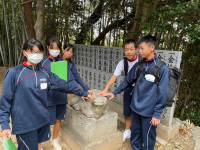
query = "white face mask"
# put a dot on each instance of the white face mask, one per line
(35, 58)
(54, 53)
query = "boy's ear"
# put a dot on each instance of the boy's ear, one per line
(152, 47)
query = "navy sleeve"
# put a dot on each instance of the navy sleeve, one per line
(162, 91)
(78, 78)
(7, 96)
(129, 79)
(70, 75)
(71, 86)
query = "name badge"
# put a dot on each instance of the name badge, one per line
(43, 86)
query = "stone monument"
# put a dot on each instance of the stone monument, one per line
(90, 125)
(96, 65)
(169, 127)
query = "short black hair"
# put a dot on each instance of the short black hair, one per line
(30, 43)
(149, 39)
(54, 40)
(68, 46)
(129, 41)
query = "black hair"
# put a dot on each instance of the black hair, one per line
(69, 46)
(129, 41)
(54, 40)
(149, 39)
(29, 44)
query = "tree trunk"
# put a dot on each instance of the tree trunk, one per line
(24, 31)
(185, 102)
(109, 38)
(143, 9)
(133, 33)
(66, 4)
(39, 25)
(96, 15)
(29, 18)
(91, 35)
(113, 25)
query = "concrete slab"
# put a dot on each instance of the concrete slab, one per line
(74, 141)
(168, 132)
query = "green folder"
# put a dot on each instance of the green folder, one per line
(9, 145)
(60, 69)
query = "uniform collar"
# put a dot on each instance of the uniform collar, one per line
(26, 65)
(152, 59)
(29, 66)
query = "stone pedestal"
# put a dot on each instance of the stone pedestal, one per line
(169, 127)
(85, 133)
(167, 116)
(168, 132)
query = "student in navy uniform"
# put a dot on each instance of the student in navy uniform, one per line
(148, 100)
(68, 52)
(131, 58)
(56, 100)
(24, 97)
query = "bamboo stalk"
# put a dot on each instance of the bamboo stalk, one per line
(24, 31)
(15, 33)
(7, 34)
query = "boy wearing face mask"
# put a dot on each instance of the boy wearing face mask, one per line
(56, 100)
(24, 98)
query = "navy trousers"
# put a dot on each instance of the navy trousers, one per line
(127, 101)
(30, 140)
(143, 133)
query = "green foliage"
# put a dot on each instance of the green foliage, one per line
(192, 111)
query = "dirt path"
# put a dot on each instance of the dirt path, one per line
(184, 141)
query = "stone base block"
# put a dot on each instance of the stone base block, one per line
(90, 129)
(116, 108)
(75, 142)
(166, 133)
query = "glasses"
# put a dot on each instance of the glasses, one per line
(32, 52)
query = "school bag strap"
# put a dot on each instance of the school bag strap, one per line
(140, 68)
(156, 70)
(125, 66)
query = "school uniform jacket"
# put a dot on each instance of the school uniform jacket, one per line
(76, 75)
(149, 98)
(54, 97)
(24, 97)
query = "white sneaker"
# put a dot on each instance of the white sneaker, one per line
(55, 144)
(127, 134)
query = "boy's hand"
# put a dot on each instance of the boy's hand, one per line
(102, 92)
(155, 122)
(90, 91)
(89, 97)
(111, 95)
(6, 134)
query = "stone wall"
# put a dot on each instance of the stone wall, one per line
(96, 64)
